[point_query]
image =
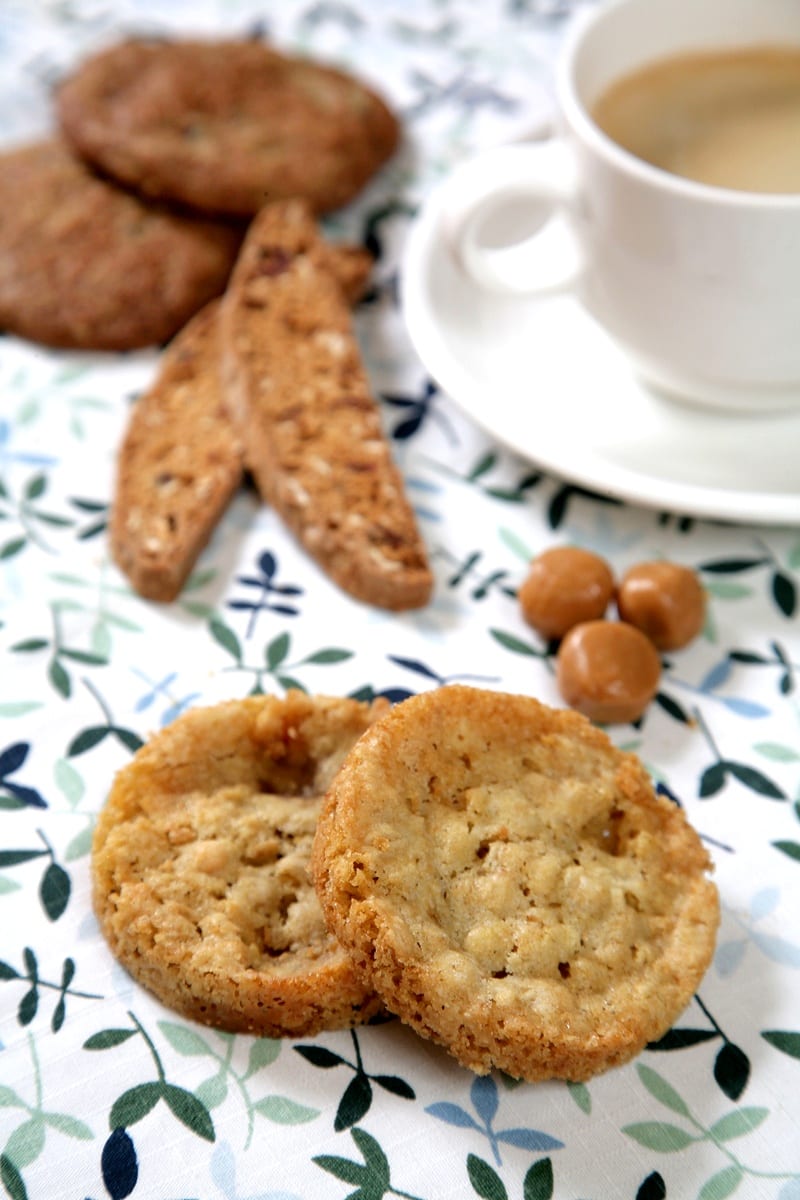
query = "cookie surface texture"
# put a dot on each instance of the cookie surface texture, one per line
(85, 265)
(199, 866)
(512, 884)
(225, 125)
(179, 464)
(297, 390)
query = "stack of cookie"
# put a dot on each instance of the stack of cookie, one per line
(185, 170)
(134, 212)
(494, 872)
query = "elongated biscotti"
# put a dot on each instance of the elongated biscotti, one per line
(298, 393)
(181, 459)
(178, 466)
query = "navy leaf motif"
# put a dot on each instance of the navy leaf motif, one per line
(11, 759)
(318, 1056)
(354, 1103)
(395, 1085)
(732, 1070)
(119, 1164)
(652, 1188)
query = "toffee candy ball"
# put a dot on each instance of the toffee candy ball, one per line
(665, 600)
(564, 586)
(608, 670)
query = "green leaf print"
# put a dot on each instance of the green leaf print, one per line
(134, 1104)
(659, 1135)
(538, 1183)
(787, 1043)
(485, 1180)
(723, 1184)
(737, 1124)
(188, 1109)
(108, 1038)
(11, 1179)
(183, 1039)
(663, 1091)
(284, 1111)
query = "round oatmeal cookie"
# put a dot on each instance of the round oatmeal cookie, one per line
(86, 265)
(225, 125)
(200, 866)
(512, 885)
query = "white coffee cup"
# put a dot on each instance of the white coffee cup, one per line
(699, 285)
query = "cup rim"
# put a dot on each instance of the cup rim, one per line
(579, 119)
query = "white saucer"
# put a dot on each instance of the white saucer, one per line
(543, 378)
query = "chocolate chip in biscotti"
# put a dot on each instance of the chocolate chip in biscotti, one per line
(298, 393)
(86, 265)
(225, 125)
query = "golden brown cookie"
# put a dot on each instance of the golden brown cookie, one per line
(298, 393)
(181, 460)
(84, 264)
(179, 464)
(512, 885)
(225, 125)
(200, 866)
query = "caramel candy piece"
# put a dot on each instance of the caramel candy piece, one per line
(608, 670)
(564, 586)
(665, 600)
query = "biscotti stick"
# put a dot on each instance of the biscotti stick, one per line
(181, 460)
(178, 466)
(298, 393)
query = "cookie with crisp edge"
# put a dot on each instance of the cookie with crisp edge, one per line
(86, 265)
(225, 125)
(512, 885)
(199, 866)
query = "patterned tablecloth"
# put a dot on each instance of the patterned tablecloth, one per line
(103, 1092)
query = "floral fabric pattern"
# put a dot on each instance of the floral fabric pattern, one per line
(103, 1092)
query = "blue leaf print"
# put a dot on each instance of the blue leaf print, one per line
(764, 902)
(453, 1114)
(778, 949)
(529, 1139)
(745, 708)
(728, 957)
(223, 1172)
(716, 676)
(483, 1094)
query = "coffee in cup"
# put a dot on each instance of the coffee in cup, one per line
(729, 119)
(693, 272)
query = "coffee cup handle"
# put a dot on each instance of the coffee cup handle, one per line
(507, 218)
